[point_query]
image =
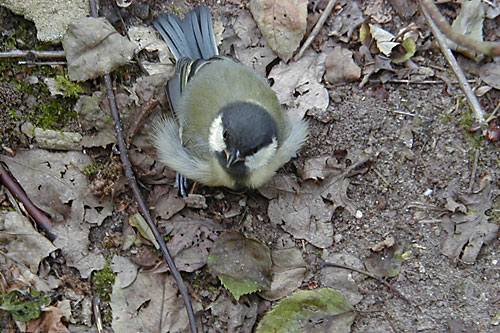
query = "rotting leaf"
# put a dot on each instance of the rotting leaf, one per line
(150, 304)
(242, 264)
(282, 22)
(343, 24)
(57, 184)
(467, 232)
(340, 67)
(404, 51)
(305, 210)
(298, 84)
(321, 310)
(469, 22)
(288, 271)
(50, 321)
(94, 48)
(490, 73)
(26, 245)
(165, 202)
(385, 263)
(240, 317)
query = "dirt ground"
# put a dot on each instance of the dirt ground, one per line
(416, 133)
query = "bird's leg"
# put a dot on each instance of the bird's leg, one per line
(181, 183)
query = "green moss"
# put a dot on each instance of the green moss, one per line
(52, 114)
(93, 168)
(71, 89)
(102, 282)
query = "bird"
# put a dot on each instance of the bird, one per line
(227, 128)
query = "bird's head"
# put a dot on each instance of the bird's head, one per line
(243, 136)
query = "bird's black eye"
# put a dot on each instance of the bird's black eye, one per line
(224, 135)
(254, 151)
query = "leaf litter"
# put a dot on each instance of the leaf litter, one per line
(325, 178)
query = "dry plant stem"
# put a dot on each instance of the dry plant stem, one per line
(39, 216)
(474, 103)
(491, 49)
(96, 302)
(145, 110)
(127, 166)
(316, 29)
(33, 53)
(385, 283)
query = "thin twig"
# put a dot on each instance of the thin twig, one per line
(33, 54)
(493, 115)
(145, 110)
(474, 103)
(36, 213)
(127, 166)
(316, 29)
(423, 82)
(474, 170)
(96, 302)
(394, 329)
(385, 283)
(489, 48)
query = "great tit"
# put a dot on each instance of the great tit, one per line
(228, 127)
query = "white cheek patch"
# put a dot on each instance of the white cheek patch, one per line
(262, 157)
(216, 135)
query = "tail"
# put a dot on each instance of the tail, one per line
(192, 37)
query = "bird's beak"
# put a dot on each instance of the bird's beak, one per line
(233, 157)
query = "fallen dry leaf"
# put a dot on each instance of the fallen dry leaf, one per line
(93, 48)
(298, 84)
(467, 232)
(239, 316)
(150, 304)
(49, 322)
(288, 272)
(57, 184)
(282, 22)
(340, 67)
(22, 242)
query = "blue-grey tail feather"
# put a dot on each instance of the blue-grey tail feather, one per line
(192, 37)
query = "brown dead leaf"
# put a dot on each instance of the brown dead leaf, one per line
(377, 10)
(49, 322)
(150, 304)
(386, 263)
(165, 202)
(240, 317)
(346, 21)
(467, 232)
(340, 67)
(298, 84)
(288, 271)
(490, 73)
(318, 168)
(282, 22)
(93, 48)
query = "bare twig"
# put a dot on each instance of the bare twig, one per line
(145, 110)
(385, 283)
(316, 29)
(127, 166)
(489, 48)
(38, 215)
(33, 54)
(474, 103)
(96, 302)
